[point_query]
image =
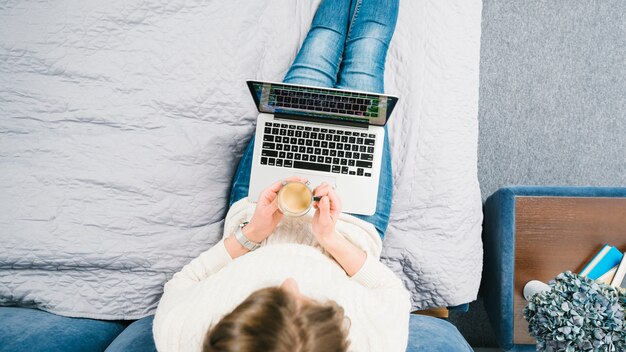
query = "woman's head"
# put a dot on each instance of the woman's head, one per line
(278, 319)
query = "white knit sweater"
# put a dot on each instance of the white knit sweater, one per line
(213, 284)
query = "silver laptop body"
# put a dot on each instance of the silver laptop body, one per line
(322, 134)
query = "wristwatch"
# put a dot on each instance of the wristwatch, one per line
(245, 241)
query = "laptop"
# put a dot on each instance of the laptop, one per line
(321, 134)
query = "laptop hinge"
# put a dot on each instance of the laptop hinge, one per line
(330, 121)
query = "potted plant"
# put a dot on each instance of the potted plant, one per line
(575, 313)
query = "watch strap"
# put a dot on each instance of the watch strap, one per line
(245, 241)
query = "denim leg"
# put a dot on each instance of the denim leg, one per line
(241, 181)
(371, 28)
(363, 68)
(380, 219)
(317, 62)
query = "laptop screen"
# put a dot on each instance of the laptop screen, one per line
(322, 103)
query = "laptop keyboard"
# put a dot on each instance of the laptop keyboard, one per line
(321, 149)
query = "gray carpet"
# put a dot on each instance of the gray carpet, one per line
(552, 93)
(552, 103)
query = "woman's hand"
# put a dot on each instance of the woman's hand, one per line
(349, 256)
(266, 216)
(327, 213)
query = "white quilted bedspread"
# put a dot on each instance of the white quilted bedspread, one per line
(122, 122)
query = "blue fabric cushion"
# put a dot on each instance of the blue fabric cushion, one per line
(433, 334)
(464, 308)
(137, 338)
(499, 263)
(425, 334)
(25, 329)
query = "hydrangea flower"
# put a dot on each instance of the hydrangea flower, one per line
(577, 314)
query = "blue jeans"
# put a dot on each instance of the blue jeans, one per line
(345, 48)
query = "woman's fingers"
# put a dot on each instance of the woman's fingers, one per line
(326, 190)
(324, 208)
(322, 189)
(273, 206)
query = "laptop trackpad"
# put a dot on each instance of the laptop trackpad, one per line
(316, 180)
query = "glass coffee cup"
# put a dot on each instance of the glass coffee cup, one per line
(295, 198)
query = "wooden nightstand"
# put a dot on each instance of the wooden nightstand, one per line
(537, 233)
(555, 234)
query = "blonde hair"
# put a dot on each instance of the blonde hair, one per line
(270, 320)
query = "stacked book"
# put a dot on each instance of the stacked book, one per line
(608, 266)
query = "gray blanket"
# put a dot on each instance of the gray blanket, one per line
(122, 123)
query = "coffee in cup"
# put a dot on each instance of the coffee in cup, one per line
(295, 198)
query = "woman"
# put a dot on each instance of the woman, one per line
(316, 282)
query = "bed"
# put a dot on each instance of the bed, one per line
(122, 123)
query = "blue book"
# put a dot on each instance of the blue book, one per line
(605, 260)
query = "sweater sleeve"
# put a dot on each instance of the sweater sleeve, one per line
(208, 263)
(375, 275)
(177, 290)
(389, 306)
